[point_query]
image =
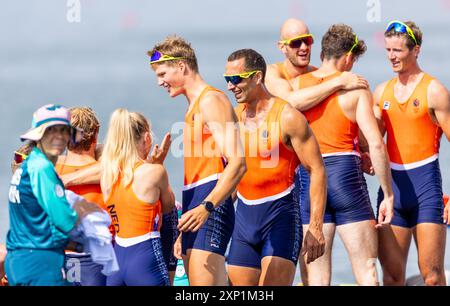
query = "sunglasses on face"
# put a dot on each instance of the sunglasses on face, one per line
(400, 27)
(19, 157)
(158, 57)
(237, 78)
(296, 42)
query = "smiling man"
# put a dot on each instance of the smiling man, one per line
(413, 109)
(296, 43)
(208, 213)
(268, 236)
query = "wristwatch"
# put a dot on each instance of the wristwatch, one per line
(209, 206)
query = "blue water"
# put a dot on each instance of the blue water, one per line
(101, 62)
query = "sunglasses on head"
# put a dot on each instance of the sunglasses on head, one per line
(158, 57)
(237, 78)
(296, 42)
(354, 45)
(400, 27)
(19, 157)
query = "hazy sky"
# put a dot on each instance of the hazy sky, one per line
(29, 16)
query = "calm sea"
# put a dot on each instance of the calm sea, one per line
(101, 62)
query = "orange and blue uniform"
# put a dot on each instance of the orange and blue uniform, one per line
(413, 141)
(347, 198)
(90, 272)
(267, 213)
(138, 244)
(203, 165)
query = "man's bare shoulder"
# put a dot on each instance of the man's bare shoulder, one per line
(214, 98)
(273, 71)
(291, 116)
(438, 95)
(353, 95)
(436, 88)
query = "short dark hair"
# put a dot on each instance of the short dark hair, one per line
(253, 60)
(338, 40)
(410, 43)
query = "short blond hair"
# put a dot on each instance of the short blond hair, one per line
(177, 47)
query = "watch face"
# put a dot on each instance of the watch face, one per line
(209, 206)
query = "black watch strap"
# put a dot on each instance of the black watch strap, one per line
(209, 206)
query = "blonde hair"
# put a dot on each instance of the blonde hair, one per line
(120, 153)
(177, 47)
(85, 119)
(410, 43)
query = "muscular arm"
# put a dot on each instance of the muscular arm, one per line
(378, 153)
(89, 175)
(439, 104)
(306, 98)
(220, 116)
(302, 140)
(300, 137)
(376, 107)
(92, 174)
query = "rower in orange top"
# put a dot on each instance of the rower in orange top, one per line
(336, 122)
(267, 236)
(213, 161)
(82, 154)
(136, 194)
(413, 110)
(79, 156)
(296, 43)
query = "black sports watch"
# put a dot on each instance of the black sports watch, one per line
(209, 206)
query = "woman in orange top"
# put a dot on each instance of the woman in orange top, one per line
(136, 194)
